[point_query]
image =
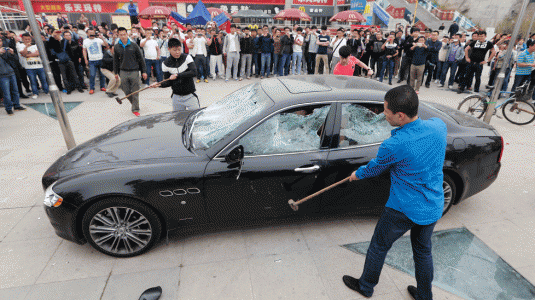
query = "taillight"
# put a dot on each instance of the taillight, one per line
(501, 151)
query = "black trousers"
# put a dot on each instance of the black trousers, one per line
(430, 68)
(70, 76)
(473, 69)
(54, 65)
(24, 79)
(405, 68)
(311, 62)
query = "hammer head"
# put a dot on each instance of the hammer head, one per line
(293, 205)
(118, 100)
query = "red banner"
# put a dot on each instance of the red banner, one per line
(313, 2)
(420, 25)
(390, 10)
(399, 13)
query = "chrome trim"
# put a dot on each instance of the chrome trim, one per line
(194, 191)
(356, 146)
(276, 154)
(180, 192)
(308, 170)
(166, 193)
(266, 117)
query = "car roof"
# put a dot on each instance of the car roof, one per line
(285, 91)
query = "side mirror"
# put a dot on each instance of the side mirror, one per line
(153, 293)
(235, 155)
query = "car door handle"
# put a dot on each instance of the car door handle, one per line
(308, 170)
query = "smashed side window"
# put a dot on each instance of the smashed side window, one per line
(361, 126)
(298, 130)
(218, 120)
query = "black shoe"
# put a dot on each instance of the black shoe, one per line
(399, 81)
(9, 112)
(81, 90)
(69, 92)
(109, 94)
(460, 91)
(28, 92)
(19, 108)
(353, 284)
(413, 291)
(22, 96)
(390, 82)
(427, 85)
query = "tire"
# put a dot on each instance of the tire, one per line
(511, 112)
(113, 236)
(450, 192)
(473, 105)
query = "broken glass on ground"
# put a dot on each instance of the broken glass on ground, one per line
(361, 126)
(286, 133)
(218, 120)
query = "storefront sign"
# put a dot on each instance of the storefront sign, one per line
(315, 11)
(232, 8)
(314, 2)
(381, 13)
(358, 5)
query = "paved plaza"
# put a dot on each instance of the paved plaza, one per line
(298, 260)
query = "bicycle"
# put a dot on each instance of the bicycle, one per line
(516, 109)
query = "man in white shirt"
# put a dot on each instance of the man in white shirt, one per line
(231, 48)
(152, 55)
(31, 62)
(199, 53)
(297, 55)
(93, 58)
(336, 44)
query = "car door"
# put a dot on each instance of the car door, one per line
(359, 129)
(285, 154)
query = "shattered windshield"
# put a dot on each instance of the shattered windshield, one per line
(218, 120)
(291, 131)
(363, 125)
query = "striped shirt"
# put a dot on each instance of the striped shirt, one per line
(526, 58)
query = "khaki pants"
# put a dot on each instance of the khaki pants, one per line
(417, 74)
(114, 84)
(325, 59)
(130, 84)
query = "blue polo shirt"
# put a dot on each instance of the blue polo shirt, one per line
(525, 58)
(415, 155)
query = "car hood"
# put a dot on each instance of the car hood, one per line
(153, 137)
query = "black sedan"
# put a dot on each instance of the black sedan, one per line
(242, 158)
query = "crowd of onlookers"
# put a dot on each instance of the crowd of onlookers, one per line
(90, 50)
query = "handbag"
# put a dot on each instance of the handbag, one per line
(63, 57)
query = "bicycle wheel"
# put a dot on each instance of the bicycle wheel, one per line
(518, 112)
(474, 105)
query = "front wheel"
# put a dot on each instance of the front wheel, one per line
(518, 112)
(448, 185)
(474, 105)
(121, 227)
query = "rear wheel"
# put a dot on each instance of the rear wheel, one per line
(448, 185)
(474, 105)
(121, 227)
(519, 112)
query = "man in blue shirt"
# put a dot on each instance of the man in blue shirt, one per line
(132, 11)
(414, 156)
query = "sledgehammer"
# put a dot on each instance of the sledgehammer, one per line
(295, 205)
(120, 100)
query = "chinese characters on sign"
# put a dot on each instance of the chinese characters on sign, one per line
(73, 7)
(313, 2)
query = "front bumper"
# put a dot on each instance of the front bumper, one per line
(64, 223)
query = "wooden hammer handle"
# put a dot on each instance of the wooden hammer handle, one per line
(323, 190)
(141, 90)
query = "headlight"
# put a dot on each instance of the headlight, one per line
(51, 198)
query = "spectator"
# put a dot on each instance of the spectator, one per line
(454, 55)
(127, 63)
(406, 62)
(323, 43)
(152, 55)
(256, 53)
(163, 41)
(338, 42)
(93, 58)
(441, 59)
(498, 63)
(347, 63)
(9, 39)
(277, 47)
(215, 45)
(297, 55)
(476, 60)
(418, 63)
(61, 21)
(107, 69)
(81, 31)
(231, 48)
(199, 54)
(247, 48)
(83, 20)
(180, 68)
(77, 56)
(312, 38)
(397, 60)
(463, 65)
(33, 65)
(390, 49)
(356, 47)
(8, 82)
(524, 65)
(265, 42)
(378, 53)
(66, 66)
(132, 11)
(433, 47)
(287, 41)
(54, 65)
(442, 27)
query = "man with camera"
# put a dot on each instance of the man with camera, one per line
(199, 54)
(8, 81)
(152, 55)
(215, 45)
(93, 58)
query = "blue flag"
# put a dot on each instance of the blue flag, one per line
(199, 15)
(178, 17)
(221, 19)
